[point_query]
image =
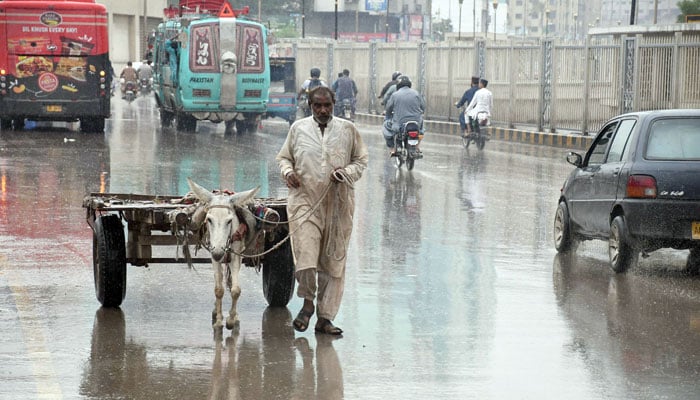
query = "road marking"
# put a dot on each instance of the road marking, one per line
(32, 325)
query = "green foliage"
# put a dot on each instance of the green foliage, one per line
(285, 31)
(688, 7)
(440, 28)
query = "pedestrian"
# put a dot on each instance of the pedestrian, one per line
(481, 104)
(320, 160)
(466, 99)
(345, 89)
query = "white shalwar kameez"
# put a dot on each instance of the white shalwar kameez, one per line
(320, 240)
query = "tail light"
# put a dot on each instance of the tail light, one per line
(641, 187)
(413, 134)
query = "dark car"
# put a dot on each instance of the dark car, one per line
(638, 187)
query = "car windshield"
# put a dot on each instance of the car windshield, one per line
(674, 139)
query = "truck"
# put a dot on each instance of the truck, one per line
(54, 63)
(210, 63)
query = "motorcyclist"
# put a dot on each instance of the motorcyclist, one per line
(345, 89)
(482, 103)
(404, 105)
(145, 71)
(128, 74)
(389, 84)
(314, 81)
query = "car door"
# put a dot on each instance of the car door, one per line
(605, 182)
(582, 201)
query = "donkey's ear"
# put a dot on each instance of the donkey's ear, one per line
(202, 194)
(246, 197)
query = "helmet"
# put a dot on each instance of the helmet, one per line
(315, 72)
(395, 75)
(403, 81)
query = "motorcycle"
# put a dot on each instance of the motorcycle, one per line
(345, 110)
(476, 136)
(145, 88)
(129, 90)
(406, 144)
(303, 108)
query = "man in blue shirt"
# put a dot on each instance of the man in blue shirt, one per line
(466, 99)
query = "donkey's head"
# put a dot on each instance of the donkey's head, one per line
(223, 218)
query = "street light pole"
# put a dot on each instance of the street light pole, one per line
(474, 21)
(303, 17)
(386, 23)
(575, 26)
(546, 23)
(495, 6)
(459, 32)
(336, 19)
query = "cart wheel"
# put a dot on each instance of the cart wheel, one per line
(278, 274)
(109, 260)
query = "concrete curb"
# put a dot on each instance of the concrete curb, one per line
(563, 140)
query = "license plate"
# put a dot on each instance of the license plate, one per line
(696, 230)
(412, 142)
(54, 109)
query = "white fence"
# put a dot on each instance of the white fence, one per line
(546, 86)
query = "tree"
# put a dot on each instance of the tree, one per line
(688, 7)
(440, 28)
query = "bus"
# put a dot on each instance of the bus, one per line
(210, 63)
(54, 63)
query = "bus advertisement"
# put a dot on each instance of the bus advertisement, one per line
(54, 63)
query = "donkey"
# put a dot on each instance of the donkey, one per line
(227, 226)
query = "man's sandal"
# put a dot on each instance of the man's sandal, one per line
(327, 327)
(301, 322)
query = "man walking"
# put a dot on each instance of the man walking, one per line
(320, 160)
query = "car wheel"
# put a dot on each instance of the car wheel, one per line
(692, 264)
(563, 238)
(620, 250)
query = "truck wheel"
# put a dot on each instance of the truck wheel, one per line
(278, 274)
(230, 126)
(622, 253)
(109, 260)
(186, 123)
(692, 264)
(166, 118)
(92, 125)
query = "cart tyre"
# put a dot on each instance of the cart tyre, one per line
(278, 274)
(109, 260)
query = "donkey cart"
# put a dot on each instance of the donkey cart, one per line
(168, 221)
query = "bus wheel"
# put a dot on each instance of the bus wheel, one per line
(92, 125)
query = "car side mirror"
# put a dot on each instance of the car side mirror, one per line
(574, 159)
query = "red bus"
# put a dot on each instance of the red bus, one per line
(54, 63)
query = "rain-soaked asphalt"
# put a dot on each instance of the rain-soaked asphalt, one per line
(454, 290)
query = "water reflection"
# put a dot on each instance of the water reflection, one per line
(273, 366)
(638, 335)
(401, 225)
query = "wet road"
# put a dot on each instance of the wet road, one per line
(453, 286)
